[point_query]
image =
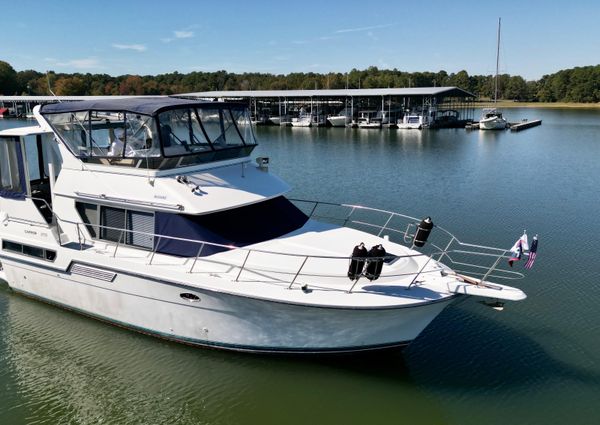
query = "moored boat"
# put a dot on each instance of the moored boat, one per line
(150, 214)
(491, 118)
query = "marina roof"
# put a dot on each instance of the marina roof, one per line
(237, 94)
(412, 91)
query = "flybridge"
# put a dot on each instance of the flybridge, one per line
(153, 133)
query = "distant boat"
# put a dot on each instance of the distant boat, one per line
(342, 119)
(412, 121)
(303, 120)
(369, 119)
(308, 120)
(491, 118)
(276, 120)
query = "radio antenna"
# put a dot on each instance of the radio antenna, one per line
(50, 88)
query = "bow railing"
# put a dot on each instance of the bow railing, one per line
(474, 261)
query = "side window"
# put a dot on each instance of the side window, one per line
(31, 251)
(72, 128)
(89, 215)
(10, 167)
(232, 135)
(128, 227)
(113, 219)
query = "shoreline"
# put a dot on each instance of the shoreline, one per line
(549, 105)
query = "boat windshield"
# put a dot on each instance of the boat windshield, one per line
(174, 138)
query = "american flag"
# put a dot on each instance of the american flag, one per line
(532, 253)
(518, 249)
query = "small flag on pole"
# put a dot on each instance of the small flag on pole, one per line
(532, 253)
(518, 249)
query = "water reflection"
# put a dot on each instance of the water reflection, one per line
(64, 367)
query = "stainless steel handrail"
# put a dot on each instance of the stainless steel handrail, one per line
(454, 246)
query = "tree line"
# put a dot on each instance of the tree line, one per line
(581, 84)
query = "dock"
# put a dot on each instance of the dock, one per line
(524, 125)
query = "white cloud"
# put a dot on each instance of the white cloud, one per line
(136, 47)
(362, 28)
(183, 34)
(87, 63)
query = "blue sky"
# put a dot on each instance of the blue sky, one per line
(154, 37)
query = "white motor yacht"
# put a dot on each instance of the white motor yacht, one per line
(492, 119)
(342, 119)
(369, 120)
(412, 121)
(149, 213)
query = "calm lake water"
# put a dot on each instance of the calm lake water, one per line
(537, 362)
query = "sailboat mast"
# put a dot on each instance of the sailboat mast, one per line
(497, 63)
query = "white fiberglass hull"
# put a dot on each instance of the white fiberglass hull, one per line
(410, 126)
(301, 122)
(369, 125)
(224, 320)
(338, 120)
(492, 123)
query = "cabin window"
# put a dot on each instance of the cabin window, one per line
(73, 130)
(113, 222)
(89, 215)
(30, 251)
(128, 227)
(11, 167)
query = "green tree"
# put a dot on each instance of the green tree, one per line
(8, 79)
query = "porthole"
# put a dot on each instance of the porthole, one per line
(190, 297)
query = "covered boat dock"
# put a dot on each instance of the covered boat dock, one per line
(447, 106)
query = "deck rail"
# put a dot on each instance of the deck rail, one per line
(470, 260)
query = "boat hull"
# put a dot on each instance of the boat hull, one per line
(410, 126)
(338, 120)
(223, 320)
(493, 123)
(301, 122)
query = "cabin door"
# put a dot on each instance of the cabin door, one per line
(41, 151)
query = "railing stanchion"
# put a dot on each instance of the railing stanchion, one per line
(118, 243)
(298, 272)
(196, 259)
(419, 273)
(385, 225)
(445, 251)
(79, 237)
(154, 250)
(491, 269)
(349, 215)
(243, 265)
